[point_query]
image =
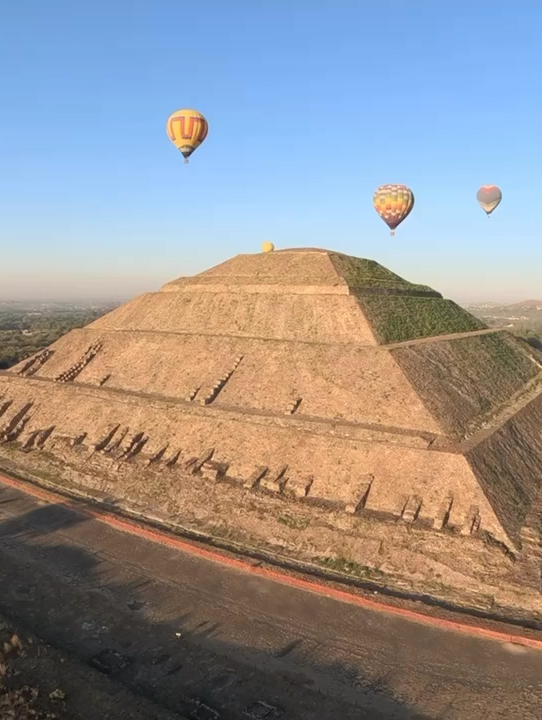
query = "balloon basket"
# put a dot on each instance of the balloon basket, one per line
(186, 161)
(392, 232)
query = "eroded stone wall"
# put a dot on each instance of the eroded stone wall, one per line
(304, 462)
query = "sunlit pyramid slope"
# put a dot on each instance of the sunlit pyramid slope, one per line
(306, 373)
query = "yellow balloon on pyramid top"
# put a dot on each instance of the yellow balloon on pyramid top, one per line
(267, 247)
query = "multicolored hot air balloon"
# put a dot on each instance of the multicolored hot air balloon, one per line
(489, 197)
(393, 203)
(187, 129)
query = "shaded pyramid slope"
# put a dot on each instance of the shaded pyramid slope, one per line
(305, 373)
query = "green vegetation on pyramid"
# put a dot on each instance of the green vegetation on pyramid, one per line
(465, 381)
(398, 318)
(361, 273)
(263, 372)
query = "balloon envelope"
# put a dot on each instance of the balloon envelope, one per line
(267, 247)
(393, 203)
(489, 197)
(187, 129)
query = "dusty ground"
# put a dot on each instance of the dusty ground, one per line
(18, 699)
(475, 575)
(40, 682)
(211, 642)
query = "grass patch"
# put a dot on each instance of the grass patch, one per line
(400, 318)
(349, 567)
(360, 273)
(294, 523)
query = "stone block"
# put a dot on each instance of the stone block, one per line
(78, 439)
(136, 447)
(173, 459)
(298, 486)
(358, 496)
(4, 407)
(188, 464)
(443, 515)
(157, 456)
(44, 436)
(293, 406)
(117, 439)
(106, 439)
(254, 478)
(472, 521)
(205, 456)
(275, 480)
(31, 440)
(212, 470)
(412, 508)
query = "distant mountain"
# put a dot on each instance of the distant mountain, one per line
(524, 305)
(524, 318)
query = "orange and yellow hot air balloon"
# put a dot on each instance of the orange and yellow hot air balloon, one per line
(187, 129)
(393, 203)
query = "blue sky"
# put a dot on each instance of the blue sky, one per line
(311, 106)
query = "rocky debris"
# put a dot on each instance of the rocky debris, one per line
(19, 700)
(41, 682)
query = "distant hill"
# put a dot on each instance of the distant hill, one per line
(527, 305)
(523, 318)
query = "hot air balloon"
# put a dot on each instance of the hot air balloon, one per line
(393, 203)
(489, 197)
(267, 247)
(187, 129)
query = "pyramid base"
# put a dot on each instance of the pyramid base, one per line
(470, 571)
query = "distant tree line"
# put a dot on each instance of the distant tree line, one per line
(24, 333)
(531, 332)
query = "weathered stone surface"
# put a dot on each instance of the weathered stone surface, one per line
(307, 374)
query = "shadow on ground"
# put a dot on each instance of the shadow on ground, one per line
(71, 598)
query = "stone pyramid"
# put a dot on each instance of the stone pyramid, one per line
(306, 373)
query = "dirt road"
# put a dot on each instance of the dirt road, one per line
(212, 642)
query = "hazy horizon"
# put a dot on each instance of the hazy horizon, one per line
(107, 287)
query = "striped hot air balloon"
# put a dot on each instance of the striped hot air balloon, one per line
(393, 203)
(489, 197)
(187, 129)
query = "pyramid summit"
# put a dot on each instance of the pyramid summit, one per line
(300, 378)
